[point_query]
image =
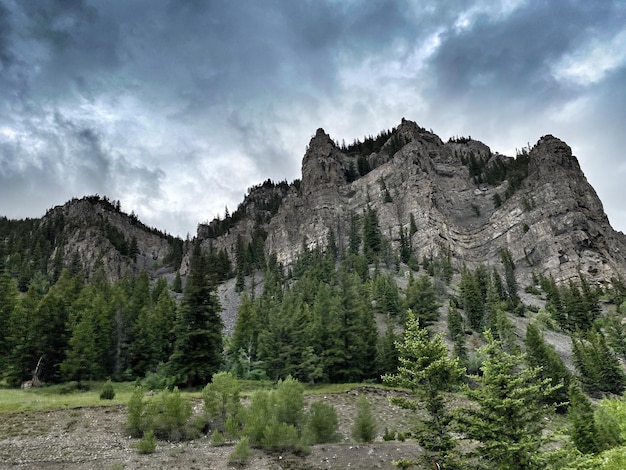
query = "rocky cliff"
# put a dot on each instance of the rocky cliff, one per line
(456, 197)
(90, 232)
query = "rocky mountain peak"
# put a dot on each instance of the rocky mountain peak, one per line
(552, 154)
(323, 164)
(94, 231)
(457, 198)
(410, 131)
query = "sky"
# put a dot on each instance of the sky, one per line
(175, 108)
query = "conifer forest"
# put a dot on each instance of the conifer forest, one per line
(471, 351)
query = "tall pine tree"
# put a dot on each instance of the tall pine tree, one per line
(507, 418)
(544, 357)
(198, 347)
(427, 370)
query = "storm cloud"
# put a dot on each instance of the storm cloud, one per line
(177, 107)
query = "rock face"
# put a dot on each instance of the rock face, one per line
(455, 198)
(92, 232)
(464, 200)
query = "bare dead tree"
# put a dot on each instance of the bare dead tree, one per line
(36, 380)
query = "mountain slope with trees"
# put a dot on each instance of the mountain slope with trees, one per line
(439, 267)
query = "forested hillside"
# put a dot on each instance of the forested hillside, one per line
(495, 315)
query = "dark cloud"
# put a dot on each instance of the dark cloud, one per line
(177, 107)
(5, 33)
(511, 58)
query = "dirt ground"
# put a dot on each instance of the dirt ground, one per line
(93, 438)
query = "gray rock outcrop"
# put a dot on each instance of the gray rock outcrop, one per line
(549, 218)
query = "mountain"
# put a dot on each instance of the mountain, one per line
(82, 235)
(455, 199)
(425, 198)
(339, 248)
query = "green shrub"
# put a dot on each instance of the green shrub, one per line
(279, 436)
(474, 363)
(275, 418)
(136, 407)
(241, 452)
(404, 463)
(322, 423)
(258, 415)
(532, 290)
(147, 444)
(73, 387)
(108, 392)
(217, 438)
(545, 320)
(389, 435)
(168, 414)
(158, 380)
(221, 399)
(231, 429)
(364, 427)
(413, 263)
(290, 402)
(607, 426)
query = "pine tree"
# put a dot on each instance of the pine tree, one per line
(492, 308)
(81, 358)
(412, 225)
(544, 357)
(616, 333)
(455, 322)
(162, 327)
(177, 284)
(496, 283)
(8, 303)
(364, 426)
(460, 348)
(405, 246)
(387, 358)
(325, 329)
(331, 245)
(599, 370)
(456, 331)
(20, 358)
(422, 300)
(356, 333)
(428, 372)
(471, 300)
(246, 330)
(372, 236)
(355, 236)
(583, 431)
(508, 417)
(509, 276)
(506, 332)
(578, 315)
(221, 399)
(197, 351)
(385, 292)
(157, 290)
(282, 340)
(50, 333)
(133, 249)
(240, 264)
